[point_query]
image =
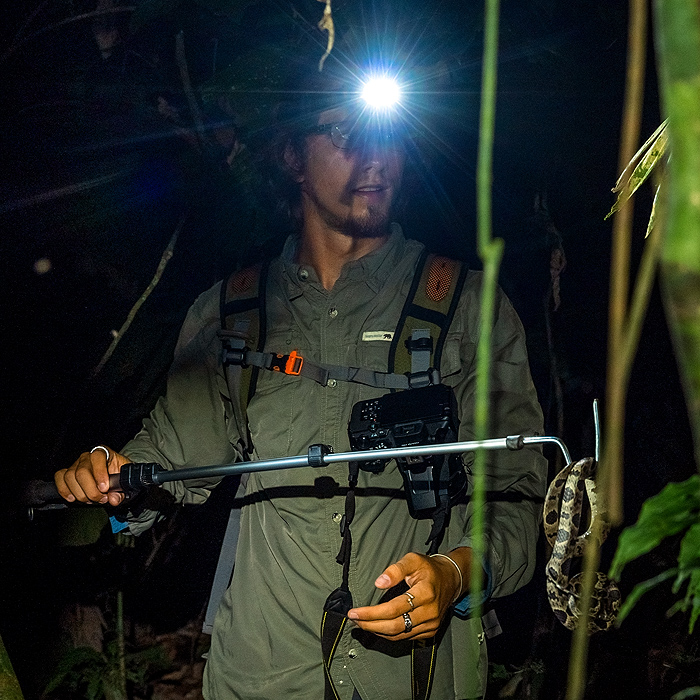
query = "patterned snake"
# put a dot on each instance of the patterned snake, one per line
(562, 521)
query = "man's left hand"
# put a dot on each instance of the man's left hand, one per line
(434, 584)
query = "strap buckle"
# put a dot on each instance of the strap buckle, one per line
(234, 349)
(417, 344)
(418, 380)
(288, 364)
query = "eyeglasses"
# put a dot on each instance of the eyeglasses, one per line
(348, 135)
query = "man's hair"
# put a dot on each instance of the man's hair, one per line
(307, 93)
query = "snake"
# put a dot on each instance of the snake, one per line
(563, 507)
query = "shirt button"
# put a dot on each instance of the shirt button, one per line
(352, 654)
(303, 274)
(332, 383)
(337, 517)
(332, 312)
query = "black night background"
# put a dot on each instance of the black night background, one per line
(102, 162)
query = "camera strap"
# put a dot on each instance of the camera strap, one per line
(339, 603)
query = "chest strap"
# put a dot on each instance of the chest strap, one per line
(236, 353)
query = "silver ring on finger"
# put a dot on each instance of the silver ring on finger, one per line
(407, 622)
(410, 600)
(104, 449)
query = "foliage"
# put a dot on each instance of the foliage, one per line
(518, 682)
(87, 673)
(9, 687)
(678, 41)
(693, 692)
(674, 510)
(640, 167)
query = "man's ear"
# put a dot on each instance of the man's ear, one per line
(293, 162)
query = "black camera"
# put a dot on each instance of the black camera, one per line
(425, 416)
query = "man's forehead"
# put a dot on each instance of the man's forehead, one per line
(336, 114)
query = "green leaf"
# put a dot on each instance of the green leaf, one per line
(82, 526)
(639, 590)
(692, 596)
(693, 692)
(640, 167)
(80, 665)
(693, 599)
(689, 556)
(9, 686)
(652, 216)
(674, 509)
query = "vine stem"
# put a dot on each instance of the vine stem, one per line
(623, 336)
(618, 329)
(490, 252)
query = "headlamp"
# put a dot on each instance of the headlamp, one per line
(381, 93)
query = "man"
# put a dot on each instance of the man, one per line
(337, 289)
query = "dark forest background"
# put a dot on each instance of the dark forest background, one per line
(103, 159)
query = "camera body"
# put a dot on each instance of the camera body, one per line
(425, 416)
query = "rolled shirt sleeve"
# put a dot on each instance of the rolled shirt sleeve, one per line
(192, 425)
(515, 481)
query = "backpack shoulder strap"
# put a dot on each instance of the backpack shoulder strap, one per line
(243, 319)
(431, 304)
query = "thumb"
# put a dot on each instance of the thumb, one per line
(395, 573)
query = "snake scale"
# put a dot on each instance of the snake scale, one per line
(562, 521)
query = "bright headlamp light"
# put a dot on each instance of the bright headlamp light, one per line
(381, 93)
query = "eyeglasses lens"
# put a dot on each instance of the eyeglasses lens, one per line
(345, 137)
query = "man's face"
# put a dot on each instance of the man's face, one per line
(350, 190)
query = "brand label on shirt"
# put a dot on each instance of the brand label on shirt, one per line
(378, 335)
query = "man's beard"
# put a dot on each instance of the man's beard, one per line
(375, 224)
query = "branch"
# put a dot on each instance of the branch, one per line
(69, 20)
(187, 87)
(620, 355)
(164, 259)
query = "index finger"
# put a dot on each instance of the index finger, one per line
(385, 611)
(101, 459)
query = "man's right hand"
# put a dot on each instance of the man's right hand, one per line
(87, 480)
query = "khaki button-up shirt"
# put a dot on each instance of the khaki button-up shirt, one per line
(265, 643)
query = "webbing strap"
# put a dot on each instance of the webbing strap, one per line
(422, 667)
(339, 603)
(247, 287)
(431, 304)
(322, 374)
(333, 623)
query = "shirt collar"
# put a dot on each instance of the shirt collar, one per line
(373, 268)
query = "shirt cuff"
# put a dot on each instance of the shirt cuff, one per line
(118, 525)
(468, 602)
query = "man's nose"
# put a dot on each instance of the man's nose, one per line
(373, 155)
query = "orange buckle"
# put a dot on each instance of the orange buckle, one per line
(294, 363)
(289, 364)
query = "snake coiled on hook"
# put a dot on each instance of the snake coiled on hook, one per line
(562, 521)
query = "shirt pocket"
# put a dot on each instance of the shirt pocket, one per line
(374, 354)
(452, 359)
